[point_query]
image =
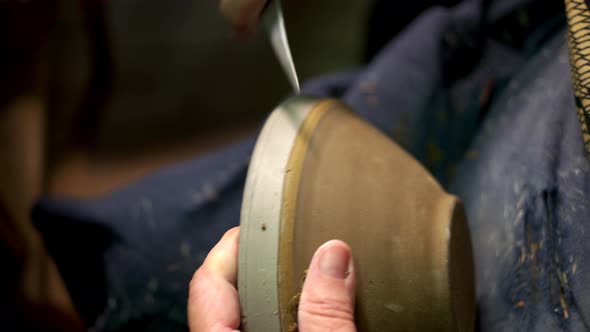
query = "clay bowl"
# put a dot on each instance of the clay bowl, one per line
(318, 173)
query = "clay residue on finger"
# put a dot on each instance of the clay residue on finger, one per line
(294, 306)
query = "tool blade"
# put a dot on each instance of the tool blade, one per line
(274, 24)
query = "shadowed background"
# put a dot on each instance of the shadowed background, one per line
(180, 84)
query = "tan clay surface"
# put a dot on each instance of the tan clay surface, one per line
(345, 180)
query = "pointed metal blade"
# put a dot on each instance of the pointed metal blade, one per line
(274, 25)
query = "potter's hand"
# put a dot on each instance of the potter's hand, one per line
(327, 299)
(243, 15)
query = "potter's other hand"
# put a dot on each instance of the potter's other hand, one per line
(243, 15)
(213, 299)
(327, 299)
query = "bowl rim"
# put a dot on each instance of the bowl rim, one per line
(261, 213)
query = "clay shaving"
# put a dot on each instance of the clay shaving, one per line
(294, 306)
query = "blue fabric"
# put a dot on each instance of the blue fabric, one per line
(127, 258)
(497, 127)
(526, 189)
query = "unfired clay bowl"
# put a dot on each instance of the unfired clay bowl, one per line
(318, 173)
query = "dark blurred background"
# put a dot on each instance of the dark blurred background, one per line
(176, 78)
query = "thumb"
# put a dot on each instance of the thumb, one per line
(327, 299)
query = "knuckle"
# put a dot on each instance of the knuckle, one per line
(242, 14)
(198, 283)
(330, 309)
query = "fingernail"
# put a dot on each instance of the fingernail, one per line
(335, 261)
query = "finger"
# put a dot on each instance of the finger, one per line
(213, 299)
(327, 299)
(243, 15)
